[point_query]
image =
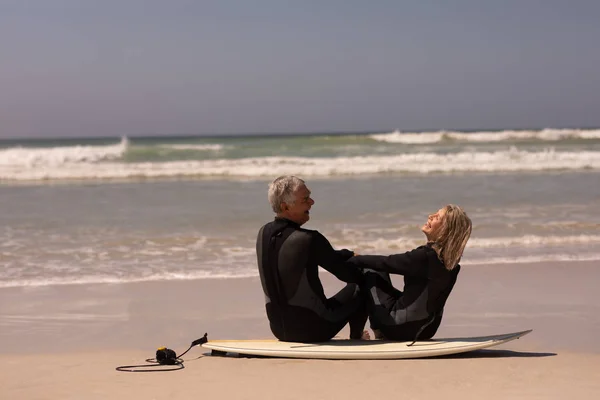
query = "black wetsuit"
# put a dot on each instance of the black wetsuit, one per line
(418, 309)
(297, 308)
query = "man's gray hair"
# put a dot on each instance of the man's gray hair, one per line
(282, 190)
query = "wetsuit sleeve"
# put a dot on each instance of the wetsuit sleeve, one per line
(334, 261)
(411, 263)
(344, 254)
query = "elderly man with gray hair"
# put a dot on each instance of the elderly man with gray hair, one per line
(288, 261)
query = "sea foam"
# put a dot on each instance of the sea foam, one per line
(83, 165)
(401, 244)
(486, 136)
(195, 147)
(41, 157)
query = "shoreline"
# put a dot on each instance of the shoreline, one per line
(64, 342)
(591, 262)
(558, 301)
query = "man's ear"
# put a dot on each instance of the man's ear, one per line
(284, 206)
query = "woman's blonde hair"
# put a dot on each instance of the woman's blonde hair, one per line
(453, 236)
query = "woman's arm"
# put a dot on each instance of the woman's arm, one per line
(411, 263)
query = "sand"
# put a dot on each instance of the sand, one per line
(64, 342)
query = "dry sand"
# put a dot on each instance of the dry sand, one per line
(64, 342)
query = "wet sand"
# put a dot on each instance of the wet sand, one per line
(64, 342)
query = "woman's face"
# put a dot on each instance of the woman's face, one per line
(434, 223)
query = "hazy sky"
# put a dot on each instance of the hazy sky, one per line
(133, 67)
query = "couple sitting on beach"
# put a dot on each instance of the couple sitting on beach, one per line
(299, 311)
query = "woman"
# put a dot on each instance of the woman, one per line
(429, 271)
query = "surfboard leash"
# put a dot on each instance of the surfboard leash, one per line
(421, 329)
(164, 356)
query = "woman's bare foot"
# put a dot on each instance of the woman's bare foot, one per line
(378, 334)
(363, 336)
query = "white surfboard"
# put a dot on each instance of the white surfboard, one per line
(339, 349)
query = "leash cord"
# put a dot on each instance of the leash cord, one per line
(175, 362)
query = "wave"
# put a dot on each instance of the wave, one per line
(239, 262)
(527, 241)
(253, 273)
(533, 259)
(167, 276)
(512, 160)
(195, 147)
(40, 157)
(533, 240)
(480, 137)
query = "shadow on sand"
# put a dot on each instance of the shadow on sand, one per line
(495, 353)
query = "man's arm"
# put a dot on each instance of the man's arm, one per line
(344, 254)
(334, 261)
(411, 263)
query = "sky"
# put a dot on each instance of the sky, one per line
(81, 68)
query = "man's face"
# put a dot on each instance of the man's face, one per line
(300, 210)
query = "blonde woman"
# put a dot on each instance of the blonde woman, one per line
(429, 271)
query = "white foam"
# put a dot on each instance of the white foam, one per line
(382, 246)
(512, 160)
(251, 272)
(534, 241)
(500, 136)
(409, 137)
(165, 276)
(532, 259)
(196, 147)
(139, 265)
(33, 158)
(401, 244)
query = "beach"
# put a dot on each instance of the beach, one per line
(112, 248)
(139, 141)
(66, 341)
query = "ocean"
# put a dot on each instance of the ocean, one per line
(117, 210)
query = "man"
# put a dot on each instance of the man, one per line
(288, 260)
